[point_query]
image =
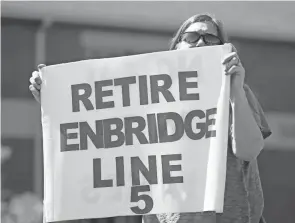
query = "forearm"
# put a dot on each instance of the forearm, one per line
(247, 140)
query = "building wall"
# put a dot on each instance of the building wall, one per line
(270, 73)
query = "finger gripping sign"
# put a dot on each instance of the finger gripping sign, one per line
(135, 135)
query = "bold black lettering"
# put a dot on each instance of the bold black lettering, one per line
(143, 90)
(183, 85)
(167, 168)
(137, 131)
(155, 88)
(138, 193)
(64, 136)
(120, 174)
(152, 128)
(163, 128)
(108, 132)
(188, 122)
(86, 131)
(84, 98)
(209, 122)
(125, 82)
(99, 94)
(150, 174)
(97, 181)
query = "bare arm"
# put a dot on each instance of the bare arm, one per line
(246, 137)
(247, 140)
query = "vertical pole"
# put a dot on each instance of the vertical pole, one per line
(40, 58)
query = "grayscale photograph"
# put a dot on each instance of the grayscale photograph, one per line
(147, 112)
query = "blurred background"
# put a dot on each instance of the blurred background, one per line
(56, 32)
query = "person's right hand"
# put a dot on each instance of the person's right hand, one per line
(36, 82)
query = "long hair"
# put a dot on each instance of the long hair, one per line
(199, 18)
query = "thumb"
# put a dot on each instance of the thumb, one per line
(234, 49)
(40, 66)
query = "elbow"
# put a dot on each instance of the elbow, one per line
(250, 150)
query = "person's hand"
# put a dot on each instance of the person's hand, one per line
(36, 82)
(234, 67)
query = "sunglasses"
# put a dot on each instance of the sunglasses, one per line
(193, 37)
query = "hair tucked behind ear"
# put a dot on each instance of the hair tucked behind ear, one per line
(199, 18)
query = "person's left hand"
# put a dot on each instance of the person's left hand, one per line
(234, 67)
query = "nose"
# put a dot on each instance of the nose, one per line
(200, 43)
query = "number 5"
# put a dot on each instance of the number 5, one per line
(135, 197)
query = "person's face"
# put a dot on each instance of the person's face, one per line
(191, 36)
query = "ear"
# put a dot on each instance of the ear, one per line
(177, 46)
(182, 45)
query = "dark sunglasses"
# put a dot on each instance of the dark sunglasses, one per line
(193, 37)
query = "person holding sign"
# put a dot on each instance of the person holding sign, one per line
(243, 201)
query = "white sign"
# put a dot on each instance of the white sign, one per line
(133, 135)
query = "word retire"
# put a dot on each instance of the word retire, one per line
(82, 92)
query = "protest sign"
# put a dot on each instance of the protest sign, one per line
(133, 135)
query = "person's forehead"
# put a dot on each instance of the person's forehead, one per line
(207, 27)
